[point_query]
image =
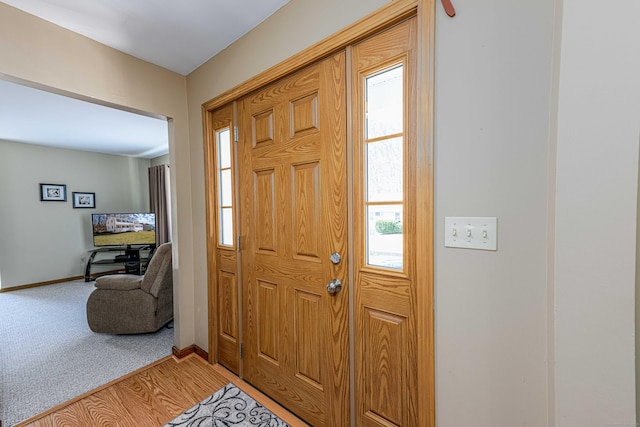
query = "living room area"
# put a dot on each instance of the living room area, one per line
(47, 240)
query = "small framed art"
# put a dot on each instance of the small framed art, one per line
(84, 200)
(53, 193)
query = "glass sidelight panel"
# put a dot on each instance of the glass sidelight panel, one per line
(384, 103)
(226, 226)
(226, 196)
(384, 170)
(384, 166)
(225, 188)
(384, 236)
(224, 147)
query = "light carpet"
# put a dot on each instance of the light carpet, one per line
(48, 354)
(227, 407)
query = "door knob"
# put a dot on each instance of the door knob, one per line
(334, 286)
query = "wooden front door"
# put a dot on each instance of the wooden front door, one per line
(293, 204)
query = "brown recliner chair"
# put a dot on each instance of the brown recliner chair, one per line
(132, 304)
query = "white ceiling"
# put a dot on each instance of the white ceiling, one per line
(177, 35)
(38, 117)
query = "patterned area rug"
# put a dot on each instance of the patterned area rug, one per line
(227, 407)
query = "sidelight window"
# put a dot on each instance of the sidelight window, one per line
(225, 187)
(384, 171)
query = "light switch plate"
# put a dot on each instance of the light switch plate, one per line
(471, 233)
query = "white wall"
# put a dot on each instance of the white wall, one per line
(162, 160)
(596, 198)
(493, 79)
(42, 241)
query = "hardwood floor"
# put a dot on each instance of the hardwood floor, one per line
(151, 396)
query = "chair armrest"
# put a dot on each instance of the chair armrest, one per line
(119, 282)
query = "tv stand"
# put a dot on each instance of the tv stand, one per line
(133, 260)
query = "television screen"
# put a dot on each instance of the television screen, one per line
(124, 229)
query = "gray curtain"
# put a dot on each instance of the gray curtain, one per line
(160, 201)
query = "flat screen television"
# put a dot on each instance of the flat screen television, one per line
(123, 229)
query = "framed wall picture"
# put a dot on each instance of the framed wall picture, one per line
(84, 200)
(53, 193)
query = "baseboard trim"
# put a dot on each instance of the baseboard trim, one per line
(181, 354)
(35, 285)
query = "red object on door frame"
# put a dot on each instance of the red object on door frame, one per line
(448, 8)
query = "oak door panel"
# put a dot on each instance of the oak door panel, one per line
(386, 339)
(224, 297)
(293, 210)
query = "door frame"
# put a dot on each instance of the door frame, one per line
(386, 16)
